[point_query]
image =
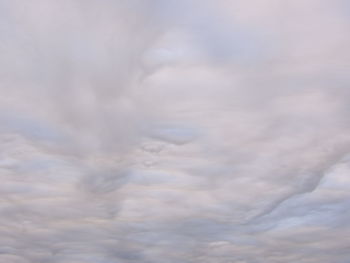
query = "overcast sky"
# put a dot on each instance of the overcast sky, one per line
(174, 131)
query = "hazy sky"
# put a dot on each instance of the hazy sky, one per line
(174, 131)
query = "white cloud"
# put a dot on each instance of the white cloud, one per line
(174, 131)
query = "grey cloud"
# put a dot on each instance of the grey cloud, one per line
(174, 131)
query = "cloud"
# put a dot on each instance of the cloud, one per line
(174, 131)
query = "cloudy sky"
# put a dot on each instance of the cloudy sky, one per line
(168, 131)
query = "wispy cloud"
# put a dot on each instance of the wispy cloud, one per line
(174, 131)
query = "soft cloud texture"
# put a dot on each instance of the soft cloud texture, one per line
(174, 131)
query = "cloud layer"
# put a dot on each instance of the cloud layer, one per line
(174, 131)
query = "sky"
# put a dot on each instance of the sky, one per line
(168, 131)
